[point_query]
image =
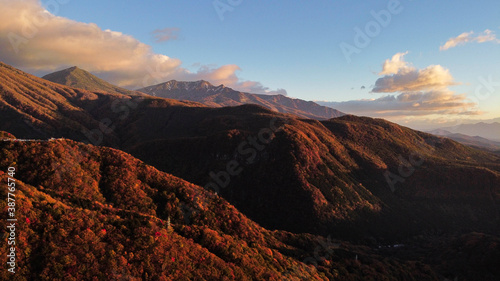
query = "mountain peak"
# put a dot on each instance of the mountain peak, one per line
(79, 78)
(66, 72)
(197, 83)
(204, 83)
(174, 85)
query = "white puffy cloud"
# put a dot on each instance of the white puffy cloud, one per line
(466, 37)
(395, 64)
(37, 41)
(400, 76)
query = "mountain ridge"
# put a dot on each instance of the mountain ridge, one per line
(297, 176)
(36, 108)
(219, 96)
(474, 141)
(337, 165)
(98, 198)
(490, 131)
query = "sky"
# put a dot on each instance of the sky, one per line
(424, 64)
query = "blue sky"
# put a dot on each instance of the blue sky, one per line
(295, 46)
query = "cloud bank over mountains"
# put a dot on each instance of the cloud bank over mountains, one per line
(36, 40)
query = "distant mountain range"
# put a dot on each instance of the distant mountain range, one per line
(476, 141)
(220, 96)
(489, 131)
(79, 78)
(280, 181)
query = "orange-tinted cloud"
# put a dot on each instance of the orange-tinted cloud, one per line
(418, 93)
(400, 76)
(395, 64)
(409, 104)
(466, 37)
(38, 41)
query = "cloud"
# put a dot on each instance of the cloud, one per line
(413, 93)
(37, 41)
(395, 64)
(400, 76)
(409, 104)
(466, 37)
(166, 34)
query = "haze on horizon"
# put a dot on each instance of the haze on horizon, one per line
(417, 63)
